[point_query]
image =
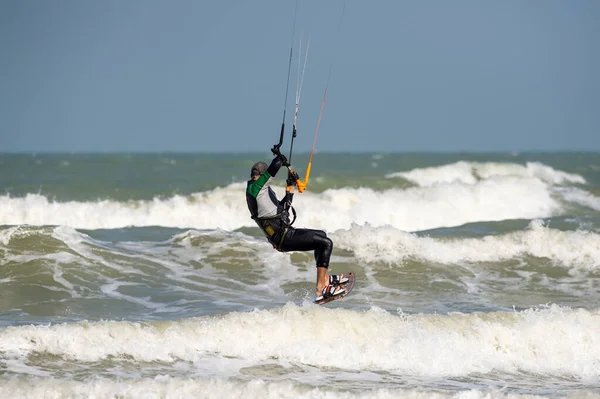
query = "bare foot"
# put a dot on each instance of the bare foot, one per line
(322, 280)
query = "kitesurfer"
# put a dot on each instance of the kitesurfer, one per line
(272, 216)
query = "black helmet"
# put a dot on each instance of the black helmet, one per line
(258, 169)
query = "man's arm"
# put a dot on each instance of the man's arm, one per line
(286, 202)
(276, 164)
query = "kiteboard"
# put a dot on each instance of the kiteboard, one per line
(347, 286)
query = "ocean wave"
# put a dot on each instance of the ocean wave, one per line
(473, 172)
(220, 207)
(410, 209)
(167, 387)
(579, 196)
(551, 341)
(576, 249)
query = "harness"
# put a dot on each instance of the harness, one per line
(276, 227)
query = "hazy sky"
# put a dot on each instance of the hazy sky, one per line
(191, 75)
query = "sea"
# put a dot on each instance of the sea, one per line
(143, 276)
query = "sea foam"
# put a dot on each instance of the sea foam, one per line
(473, 172)
(577, 249)
(410, 209)
(443, 196)
(216, 388)
(553, 341)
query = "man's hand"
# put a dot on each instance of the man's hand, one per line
(275, 150)
(278, 154)
(284, 161)
(292, 177)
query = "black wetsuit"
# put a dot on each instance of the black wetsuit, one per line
(272, 217)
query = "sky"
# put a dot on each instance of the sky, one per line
(210, 76)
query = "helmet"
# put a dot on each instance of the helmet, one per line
(258, 169)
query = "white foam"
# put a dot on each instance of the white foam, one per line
(6, 234)
(111, 289)
(78, 243)
(578, 249)
(70, 288)
(184, 263)
(579, 196)
(473, 172)
(448, 195)
(57, 257)
(554, 341)
(218, 388)
(461, 172)
(220, 207)
(276, 267)
(20, 367)
(416, 208)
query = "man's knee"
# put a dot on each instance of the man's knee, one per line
(323, 241)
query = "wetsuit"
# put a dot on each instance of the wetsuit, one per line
(272, 216)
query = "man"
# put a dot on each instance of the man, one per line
(272, 216)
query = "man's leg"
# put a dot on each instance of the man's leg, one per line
(307, 240)
(322, 279)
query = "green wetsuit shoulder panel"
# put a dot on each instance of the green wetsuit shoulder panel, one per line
(255, 187)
